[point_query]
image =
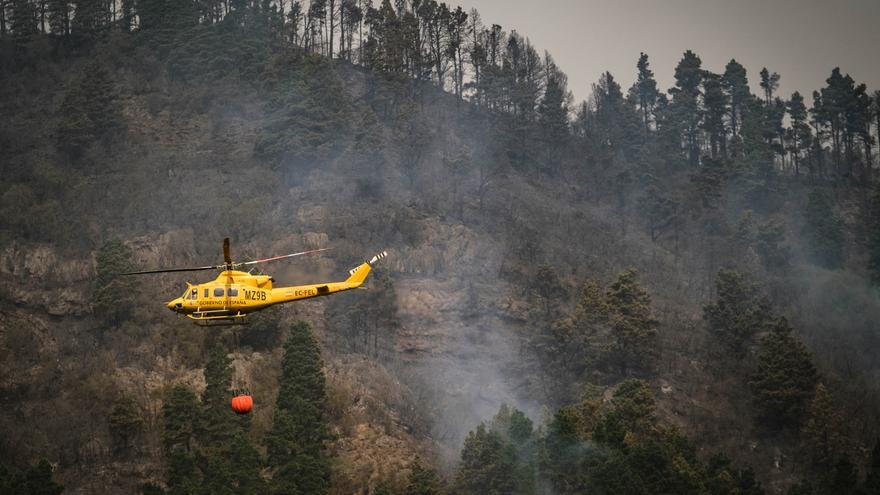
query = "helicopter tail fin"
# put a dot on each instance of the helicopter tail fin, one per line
(359, 273)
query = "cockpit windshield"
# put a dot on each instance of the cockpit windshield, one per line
(190, 294)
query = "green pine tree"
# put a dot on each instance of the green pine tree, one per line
(562, 457)
(785, 378)
(89, 19)
(423, 481)
(739, 313)
(217, 422)
(89, 112)
(113, 295)
(23, 22)
(874, 235)
(58, 12)
(296, 443)
(716, 103)
(770, 245)
(736, 85)
(632, 322)
(823, 428)
(126, 420)
(547, 291)
(824, 230)
(487, 466)
(179, 412)
(685, 105)
(646, 89)
(553, 116)
(631, 414)
(226, 455)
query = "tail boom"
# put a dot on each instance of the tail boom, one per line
(356, 278)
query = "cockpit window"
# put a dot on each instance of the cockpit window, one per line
(194, 294)
(218, 292)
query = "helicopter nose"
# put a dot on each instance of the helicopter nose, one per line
(174, 305)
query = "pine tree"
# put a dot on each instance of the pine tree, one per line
(724, 479)
(646, 88)
(89, 111)
(633, 325)
(631, 414)
(801, 135)
(824, 230)
(486, 466)
(709, 182)
(736, 84)
(738, 314)
(423, 481)
(89, 18)
(127, 12)
(23, 22)
(59, 17)
(590, 331)
(216, 423)
(616, 125)
(769, 83)
(772, 129)
(126, 420)
(548, 291)
(517, 433)
(553, 114)
(771, 247)
(716, 109)
(301, 368)
(784, 380)
(226, 455)
(179, 411)
(113, 295)
(836, 109)
(686, 103)
(823, 428)
(264, 330)
(874, 236)
(296, 442)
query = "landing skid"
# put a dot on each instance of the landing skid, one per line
(220, 322)
(217, 318)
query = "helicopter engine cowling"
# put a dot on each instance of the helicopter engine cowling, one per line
(259, 281)
(264, 281)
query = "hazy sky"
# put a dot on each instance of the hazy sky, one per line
(802, 40)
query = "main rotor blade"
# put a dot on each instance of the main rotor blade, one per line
(276, 258)
(169, 270)
(226, 256)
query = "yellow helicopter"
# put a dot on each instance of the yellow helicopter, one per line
(234, 294)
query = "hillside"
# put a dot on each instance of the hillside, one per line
(498, 216)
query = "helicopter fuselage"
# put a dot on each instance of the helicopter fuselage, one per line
(235, 294)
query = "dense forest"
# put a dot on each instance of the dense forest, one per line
(650, 291)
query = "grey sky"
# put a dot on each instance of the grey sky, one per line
(802, 40)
